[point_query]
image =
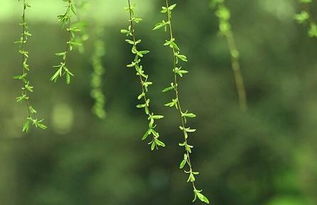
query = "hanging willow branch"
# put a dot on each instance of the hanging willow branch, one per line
(96, 78)
(65, 19)
(223, 14)
(27, 88)
(179, 72)
(143, 78)
(305, 17)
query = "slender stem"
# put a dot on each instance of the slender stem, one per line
(182, 118)
(223, 14)
(237, 71)
(136, 57)
(27, 88)
(66, 20)
(143, 79)
(23, 47)
(68, 26)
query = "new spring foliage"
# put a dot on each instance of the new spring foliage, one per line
(74, 40)
(224, 15)
(27, 87)
(305, 17)
(184, 115)
(132, 40)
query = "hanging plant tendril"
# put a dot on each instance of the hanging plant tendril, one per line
(155, 142)
(96, 79)
(27, 88)
(223, 14)
(178, 71)
(62, 70)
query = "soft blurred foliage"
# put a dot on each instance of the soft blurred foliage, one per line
(262, 157)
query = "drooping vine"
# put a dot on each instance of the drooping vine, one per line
(62, 70)
(224, 15)
(305, 17)
(27, 87)
(81, 24)
(184, 115)
(132, 40)
(96, 78)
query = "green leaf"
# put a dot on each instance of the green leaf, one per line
(183, 162)
(125, 31)
(167, 89)
(142, 53)
(153, 132)
(302, 17)
(172, 87)
(141, 96)
(161, 25)
(22, 98)
(32, 110)
(172, 103)
(61, 54)
(179, 71)
(146, 134)
(68, 77)
(181, 57)
(156, 117)
(137, 19)
(57, 74)
(153, 145)
(26, 126)
(171, 7)
(187, 146)
(129, 41)
(20, 77)
(312, 30)
(188, 114)
(188, 129)
(159, 143)
(42, 126)
(141, 105)
(38, 123)
(202, 198)
(28, 87)
(191, 177)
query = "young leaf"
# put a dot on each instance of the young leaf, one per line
(202, 197)
(26, 126)
(183, 162)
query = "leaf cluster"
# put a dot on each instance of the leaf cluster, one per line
(74, 41)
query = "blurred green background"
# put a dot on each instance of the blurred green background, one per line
(263, 157)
